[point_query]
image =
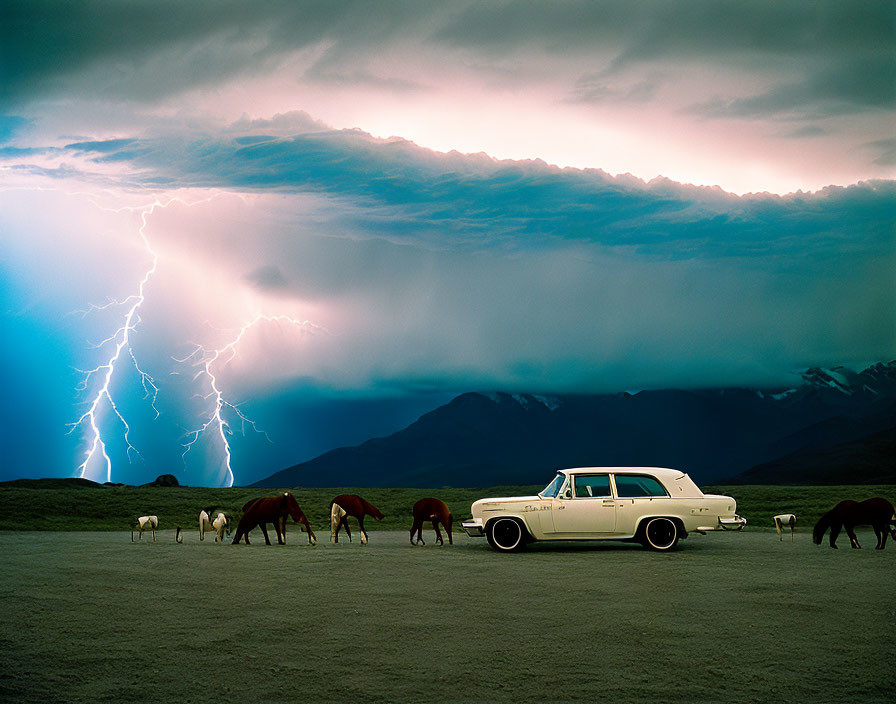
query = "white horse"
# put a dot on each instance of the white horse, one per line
(785, 519)
(337, 514)
(217, 526)
(146, 523)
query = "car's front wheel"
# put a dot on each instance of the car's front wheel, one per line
(505, 534)
(660, 534)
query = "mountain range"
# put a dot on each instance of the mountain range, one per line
(837, 426)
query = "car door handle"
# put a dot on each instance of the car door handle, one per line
(609, 503)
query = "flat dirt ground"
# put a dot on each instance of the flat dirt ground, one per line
(735, 617)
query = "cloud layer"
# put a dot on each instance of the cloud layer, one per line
(806, 90)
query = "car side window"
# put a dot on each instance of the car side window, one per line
(590, 486)
(632, 486)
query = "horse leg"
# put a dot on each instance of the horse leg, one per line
(414, 527)
(877, 533)
(778, 528)
(344, 523)
(835, 531)
(277, 531)
(264, 531)
(435, 527)
(153, 534)
(853, 540)
(364, 537)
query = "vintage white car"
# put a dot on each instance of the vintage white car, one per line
(652, 505)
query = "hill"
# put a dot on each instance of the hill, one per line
(868, 460)
(483, 439)
(52, 483)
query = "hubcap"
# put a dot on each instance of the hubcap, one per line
(506, 533)
(661, 533)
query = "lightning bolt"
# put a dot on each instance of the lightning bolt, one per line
(208, 361)
(120, 342)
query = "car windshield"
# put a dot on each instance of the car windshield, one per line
(552, 489)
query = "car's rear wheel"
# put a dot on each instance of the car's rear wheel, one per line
(505, 534)
(660, 534)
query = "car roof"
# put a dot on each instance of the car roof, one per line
(664, 472)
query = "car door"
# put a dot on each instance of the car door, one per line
(587, 508)
(638, 495)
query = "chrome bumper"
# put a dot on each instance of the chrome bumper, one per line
(736, 523)
(474, 528)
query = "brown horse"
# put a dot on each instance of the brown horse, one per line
(350, 505)
(877, 512)
(433, 510)
(272, 509)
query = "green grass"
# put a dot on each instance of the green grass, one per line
(731, 617)
(116, 508)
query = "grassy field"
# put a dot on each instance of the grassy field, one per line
(116, 508)
(733, 617)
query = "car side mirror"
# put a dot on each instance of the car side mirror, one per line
(567, 494)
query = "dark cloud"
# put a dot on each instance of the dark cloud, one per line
(885, 150)
(398, 191)
(858, 86)
(267, 277)
(828, 55)
(145, 51)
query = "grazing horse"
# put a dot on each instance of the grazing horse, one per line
(351, 505)
(146, 523)
(433, 510)
(206, 524)
(784, 519)
(337, 517)
(877, 512)
(272, 509)
(219, 524)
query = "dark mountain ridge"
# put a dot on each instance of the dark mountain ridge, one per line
(486, 439)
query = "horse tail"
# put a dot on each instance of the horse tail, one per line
(824, 523)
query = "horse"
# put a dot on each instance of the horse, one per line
(146, 523)
(351, 505)
(784, 519)
(433, 510)
(220, 524)
(271, 509)
(205, 524)
(337, 516)
(876, 512)
(178, 536)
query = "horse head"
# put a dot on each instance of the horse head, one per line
(373, 510)
(291, 507)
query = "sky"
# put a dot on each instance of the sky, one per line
(236, 235)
